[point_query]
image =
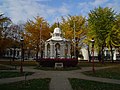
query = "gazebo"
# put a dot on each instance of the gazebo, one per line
(57, 46)
(57, 51)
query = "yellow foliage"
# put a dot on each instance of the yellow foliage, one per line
(36, 32)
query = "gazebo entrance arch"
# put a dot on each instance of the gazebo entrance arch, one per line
(57, 50)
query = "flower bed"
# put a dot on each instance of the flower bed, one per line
(48, 62)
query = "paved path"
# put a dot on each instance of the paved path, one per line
(59, 79)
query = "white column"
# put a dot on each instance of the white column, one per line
(20, 53)
(46, 51)
(51, 50)
(8, 52)
(53, 53)
(105, 52)
(69, 47)
(85, 53)
(114, 56)
(62, 50)
(16, 51)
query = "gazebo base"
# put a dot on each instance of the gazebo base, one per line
(50, 62)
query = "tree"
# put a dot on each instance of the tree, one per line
(53, 27)
(68, 25)
(115, 32)
(100, 22)
(74, 29)
(4, 40)
(36, 33)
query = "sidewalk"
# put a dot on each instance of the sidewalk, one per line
(59, 79)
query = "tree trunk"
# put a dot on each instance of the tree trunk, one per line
(37, 55)
(42, 54)
(89, 54)
(37, 52)
(102, 54)
(29, 53)
(99, 56)
(111, 52)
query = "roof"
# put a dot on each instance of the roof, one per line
(57, 30)
(57, 35)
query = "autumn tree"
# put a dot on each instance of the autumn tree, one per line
(36, 32)
(4, 40)
(100, 22)
(73, 22)
(53, 26)
(74, 29)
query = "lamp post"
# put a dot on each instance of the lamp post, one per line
(22, 56)
(93, 41)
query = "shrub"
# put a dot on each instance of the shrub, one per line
(48, 62)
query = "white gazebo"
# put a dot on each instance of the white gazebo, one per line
(57, 46)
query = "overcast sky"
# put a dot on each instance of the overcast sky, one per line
(22, 10)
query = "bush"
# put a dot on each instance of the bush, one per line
(48, 62)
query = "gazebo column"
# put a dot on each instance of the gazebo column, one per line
(69, 46)
(20, 53)
(51, 50)
(46, 51)
(16, 52)
(62, 50)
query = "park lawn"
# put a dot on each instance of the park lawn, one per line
(79, 84)
(112, 73)
(9, 74)
(5, 68)
(97, 64)
(18, 63)
(35, 84)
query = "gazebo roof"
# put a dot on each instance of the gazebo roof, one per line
(57, 35)
(57, 30)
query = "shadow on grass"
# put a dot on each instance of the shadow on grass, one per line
(35, 84)
(9, 74)
(79, 84)
(112, 73)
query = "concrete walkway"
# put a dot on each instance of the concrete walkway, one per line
(59, 79)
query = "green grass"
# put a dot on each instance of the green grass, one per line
(8, 74)
(35, 84)
(79, 84)
(18, 63)
(97, 64)
(112, 73)
(6, 68)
